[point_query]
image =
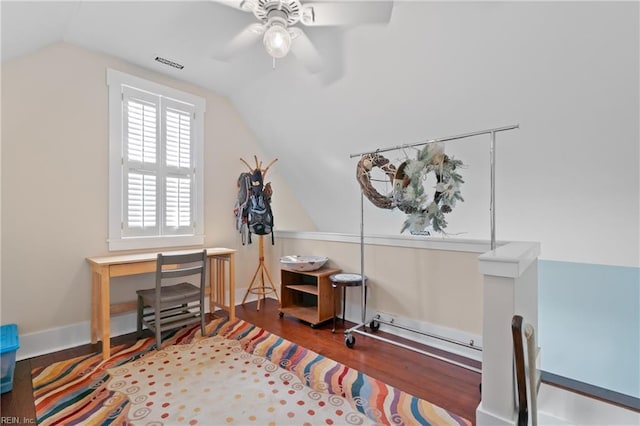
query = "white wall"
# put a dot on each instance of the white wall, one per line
(427, 283)
(567, 72)
(55, 183)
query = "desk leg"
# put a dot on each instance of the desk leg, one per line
(216, 284)
(220, 283)
(95, 304)
(105, 313)
(232, 287)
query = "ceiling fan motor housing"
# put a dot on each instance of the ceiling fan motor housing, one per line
(288, 10)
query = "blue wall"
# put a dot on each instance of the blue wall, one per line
(589, 323)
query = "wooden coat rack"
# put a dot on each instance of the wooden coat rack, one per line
(256, 286)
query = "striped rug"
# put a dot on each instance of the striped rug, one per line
(84, 390)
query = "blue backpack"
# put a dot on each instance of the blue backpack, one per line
(259, 214)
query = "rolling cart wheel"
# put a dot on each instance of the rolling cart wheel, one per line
(349, 340)
(312, 325)
(374, 325)
(280, 314)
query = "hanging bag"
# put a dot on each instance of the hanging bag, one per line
(260, 216)
(241, 209)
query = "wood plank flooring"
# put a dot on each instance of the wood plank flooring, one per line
(451, 387)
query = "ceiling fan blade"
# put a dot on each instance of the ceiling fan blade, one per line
(346, 13)
(250, 35)
(303, 49)
(244, 5)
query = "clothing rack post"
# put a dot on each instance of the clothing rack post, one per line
(375, 323)
(492, 206)
(364, 281)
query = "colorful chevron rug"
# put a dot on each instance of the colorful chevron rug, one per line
(240, 374)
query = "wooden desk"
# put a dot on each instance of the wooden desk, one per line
(105, 267)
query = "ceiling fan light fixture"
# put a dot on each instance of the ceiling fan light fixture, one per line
(277, 40)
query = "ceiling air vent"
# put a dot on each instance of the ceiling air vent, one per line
(170, 63)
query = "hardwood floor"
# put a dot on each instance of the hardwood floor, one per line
(451, 387)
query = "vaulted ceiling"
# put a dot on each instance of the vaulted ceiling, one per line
(436, 69)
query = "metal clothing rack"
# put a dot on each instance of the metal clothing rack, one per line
(374, 324)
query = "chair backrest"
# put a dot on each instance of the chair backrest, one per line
(181, 265)
(521, 382)
(525, 363)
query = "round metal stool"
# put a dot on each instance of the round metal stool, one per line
(344, 281)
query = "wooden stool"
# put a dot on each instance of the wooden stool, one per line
(344, 281)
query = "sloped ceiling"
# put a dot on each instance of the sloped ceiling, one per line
(436, 69)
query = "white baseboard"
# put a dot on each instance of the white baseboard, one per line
(354, 314)
(557, 406)
(72, 335)
(69, 336)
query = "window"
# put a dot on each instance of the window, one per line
(156, 189)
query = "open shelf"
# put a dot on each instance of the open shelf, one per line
(305, 288)
(305, 313)
(307, 295)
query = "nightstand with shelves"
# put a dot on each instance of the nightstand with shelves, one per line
(307, 295)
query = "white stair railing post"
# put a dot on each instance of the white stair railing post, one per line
(510, 287)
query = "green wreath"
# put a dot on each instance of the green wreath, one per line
(409, 195)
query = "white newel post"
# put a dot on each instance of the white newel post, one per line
(510, 288)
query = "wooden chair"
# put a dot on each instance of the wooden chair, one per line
(525, 363)
(174, 303)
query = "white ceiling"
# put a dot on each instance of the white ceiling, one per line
(187, 32)
(436, 69)
(283, 106)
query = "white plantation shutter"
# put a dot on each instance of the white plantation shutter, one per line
(179, 167)
(159, 168)
(178, 202)
(141, 127)
(140, 165)
(142, 211)
(178, 127)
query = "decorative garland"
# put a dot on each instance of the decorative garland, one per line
(425, 213)
(408, 187)
(363, 169)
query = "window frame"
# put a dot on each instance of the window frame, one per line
(116, 81)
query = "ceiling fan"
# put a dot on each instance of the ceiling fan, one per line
(277, 20)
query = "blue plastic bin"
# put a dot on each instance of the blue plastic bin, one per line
(9, 344)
